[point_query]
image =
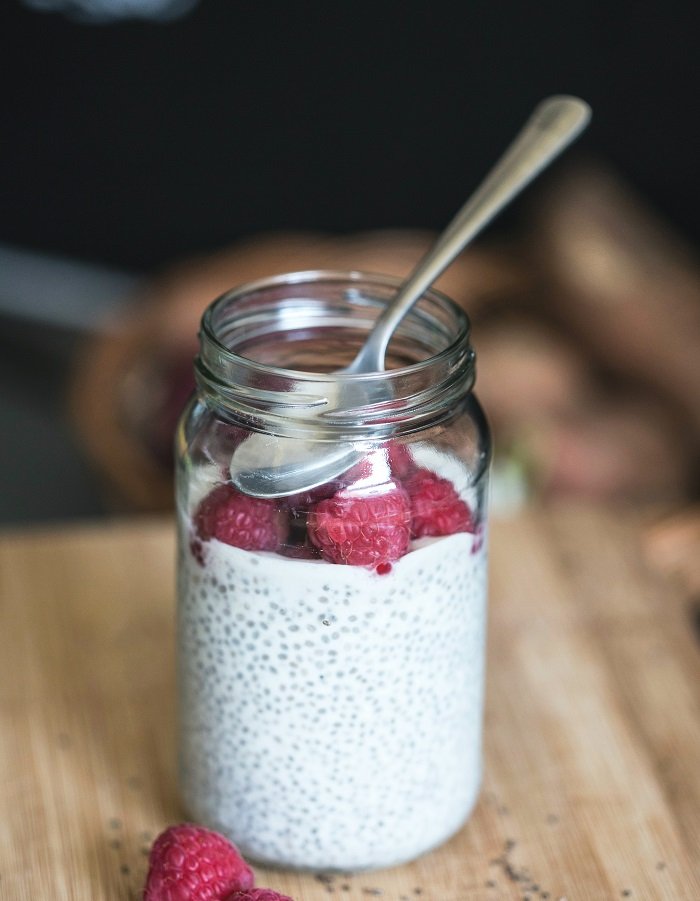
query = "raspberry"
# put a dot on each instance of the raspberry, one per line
(251, 523)
(300, 502)
(372, 471)
(364, 530)
(258, 894)
(436, 508)
(400, 460)
(190, 863)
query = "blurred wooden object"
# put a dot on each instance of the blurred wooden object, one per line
(123, 386)
(616, 353)
(624, 284)
(673, 547)
(587, 332)
(592, 734)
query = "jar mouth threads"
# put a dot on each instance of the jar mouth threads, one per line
(270, 351)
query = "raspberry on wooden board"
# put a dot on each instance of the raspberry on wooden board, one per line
(191, 863)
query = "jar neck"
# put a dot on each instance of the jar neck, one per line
(270, 352)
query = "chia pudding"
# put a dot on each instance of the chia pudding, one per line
(330, 715)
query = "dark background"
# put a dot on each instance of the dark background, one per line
(134, 144)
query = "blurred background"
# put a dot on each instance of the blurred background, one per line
(158, 152)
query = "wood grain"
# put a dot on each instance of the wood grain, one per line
(592, 783)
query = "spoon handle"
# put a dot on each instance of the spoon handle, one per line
(552, 126)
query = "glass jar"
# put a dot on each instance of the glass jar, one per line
(331, 643)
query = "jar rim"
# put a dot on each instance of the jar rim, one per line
(266, 396)
(318, 276)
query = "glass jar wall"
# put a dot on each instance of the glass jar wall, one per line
(331, 640)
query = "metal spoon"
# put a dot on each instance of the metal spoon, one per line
(270, 466)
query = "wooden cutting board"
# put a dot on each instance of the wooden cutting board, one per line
(592, 783)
